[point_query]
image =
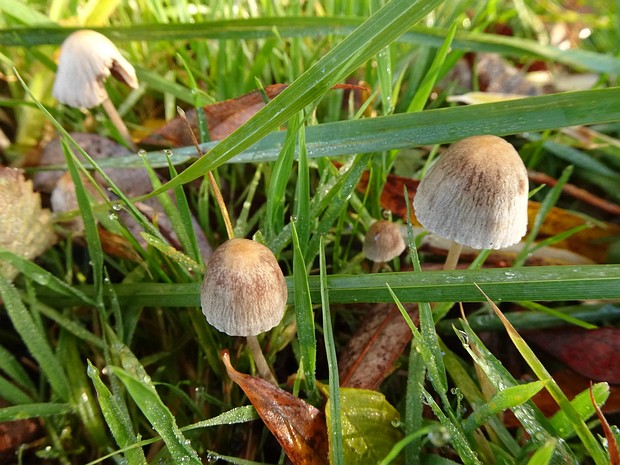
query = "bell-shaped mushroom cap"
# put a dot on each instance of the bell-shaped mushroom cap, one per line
(383, 241)
(244, 292)
(476, 194)
(86, 59)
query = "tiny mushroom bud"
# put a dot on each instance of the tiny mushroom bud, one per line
(476, 194)
(383, 242)
(87, 58)
(244, 292)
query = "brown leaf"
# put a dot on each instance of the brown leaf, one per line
(14, 434)
(594, 353)
(225, 117)
(25, 227)
(369, 356)
(298, 426)
(222, 119)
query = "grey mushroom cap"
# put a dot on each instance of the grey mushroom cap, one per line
(243, 292)
(383, 241)
(476, 194)
(87, 58)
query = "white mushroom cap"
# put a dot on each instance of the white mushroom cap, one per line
(86, 60)
(244, 292)
(476, 194)
(383, 241)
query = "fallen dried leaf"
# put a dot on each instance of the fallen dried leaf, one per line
(612, 445)
(25, 227)
(594, 353)
(370, 354)
(298, 426)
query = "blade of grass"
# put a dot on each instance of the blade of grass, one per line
(335, 439)
(291, 26)
(36, 342)
(15, 370)
(117, 419)
(589, 441)
(583, 405)
(20, 412)
(160, 417)
(305, 316)
(378, 31)
(544, 283)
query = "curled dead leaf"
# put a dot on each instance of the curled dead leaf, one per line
(298, 426)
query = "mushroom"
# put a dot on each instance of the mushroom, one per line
(244, 294)
(86, 60)
(382, 243)
(476, 195)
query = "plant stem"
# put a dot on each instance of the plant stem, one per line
(214, 187)
(259, 359)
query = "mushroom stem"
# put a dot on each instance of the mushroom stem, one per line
(214, 187)
(259, 359)
(118, 123)
(376, 267)
(453, 256)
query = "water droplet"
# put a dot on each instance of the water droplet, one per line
(106, 280)
(211, 457)
(509, 274)
(109, 189)
(168, 152)
(142, 152)
(395, 423)
(117, 207)
(113, 216)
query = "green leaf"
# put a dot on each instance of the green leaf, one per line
(500, 402)
(370, 425)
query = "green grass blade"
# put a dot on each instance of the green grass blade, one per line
(544, 283)
(42, 276)
(15, 370)
(13, 394)
(583, 405)
(589, 441)
(426, 86)
(162, 419)
(503, 400)
(380, 30)
(36, 342)
(544, 454)
(302, 193)
(20, 412)
(335, 439)
(437, 126)
(118, 421)
(305, 315)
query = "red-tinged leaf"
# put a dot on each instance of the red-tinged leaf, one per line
(369, 356)
(594, 353)
(298, 426)
(612, 445)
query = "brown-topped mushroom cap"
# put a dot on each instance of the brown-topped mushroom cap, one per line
(476, 194)
(383, 241)
(244, 292)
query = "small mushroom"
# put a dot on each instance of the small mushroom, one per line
(383, 242)
(87, 58)
(244, 293)
(476, 194)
